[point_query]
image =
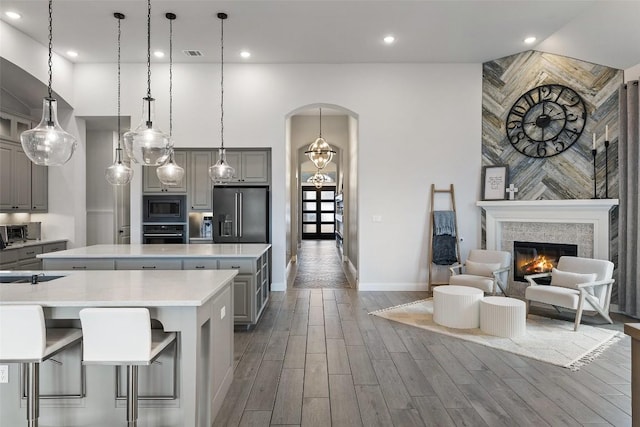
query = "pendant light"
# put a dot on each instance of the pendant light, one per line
(170, 173)
(146, 144)
(320, 152)
(48, 144)
(118, 173)
(318, 179)
(222, 171)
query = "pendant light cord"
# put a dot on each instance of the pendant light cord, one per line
(119, 149)
(148, 48)
(320, 122)
(171, 78)
(50, 46)
(222, 81)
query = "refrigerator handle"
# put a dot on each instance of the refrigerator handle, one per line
(240, 216)
(235, 220)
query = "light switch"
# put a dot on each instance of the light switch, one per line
(377, 218)
(223, 312)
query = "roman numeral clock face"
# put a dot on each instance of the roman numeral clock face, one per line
(546, 121)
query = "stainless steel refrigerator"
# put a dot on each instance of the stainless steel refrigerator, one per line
(240, 215)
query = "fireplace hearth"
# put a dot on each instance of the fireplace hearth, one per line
(536, 257)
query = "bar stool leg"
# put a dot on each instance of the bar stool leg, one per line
(32, 385)
(132, 396)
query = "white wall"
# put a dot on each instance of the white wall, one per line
(418, 124)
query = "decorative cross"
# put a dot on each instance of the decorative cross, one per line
(512, 190)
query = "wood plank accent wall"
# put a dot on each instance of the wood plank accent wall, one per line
(568, 175)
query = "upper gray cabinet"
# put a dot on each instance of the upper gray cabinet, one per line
(200, 185)
(252, 166)
(23, 185)
(151, 183)
(15, 178)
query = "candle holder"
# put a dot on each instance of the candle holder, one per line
(595, 186)
(606, 169)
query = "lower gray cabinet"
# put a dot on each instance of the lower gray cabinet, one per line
(148, 264)
(242, 301)
(79, 264)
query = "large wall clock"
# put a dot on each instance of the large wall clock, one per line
(546, 120)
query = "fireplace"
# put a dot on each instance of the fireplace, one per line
(534, 257)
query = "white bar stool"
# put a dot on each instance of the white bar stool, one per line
(122, 336)
(25, 339)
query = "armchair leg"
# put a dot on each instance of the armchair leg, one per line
(528, 307)
(579, 311)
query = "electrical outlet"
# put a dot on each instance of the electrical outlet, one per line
(223, 312)
(4, 374)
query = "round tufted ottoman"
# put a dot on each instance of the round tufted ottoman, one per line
(503, 317)
(457, 306)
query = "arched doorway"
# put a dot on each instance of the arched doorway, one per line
(325, 219)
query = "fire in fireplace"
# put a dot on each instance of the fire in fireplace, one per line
(534, 257)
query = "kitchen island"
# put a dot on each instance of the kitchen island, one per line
(194, 304)
(253, 260)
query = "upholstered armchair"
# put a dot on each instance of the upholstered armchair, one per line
(486, 270)
(577, 284)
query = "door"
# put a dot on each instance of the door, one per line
(318, 212)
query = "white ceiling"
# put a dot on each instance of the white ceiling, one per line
(314, 31)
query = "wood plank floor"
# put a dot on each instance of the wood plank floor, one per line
(317, 358)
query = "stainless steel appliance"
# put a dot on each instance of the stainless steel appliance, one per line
(13, 233)
(240, 215)
(34, 230)
(164, 208)
(164, 234)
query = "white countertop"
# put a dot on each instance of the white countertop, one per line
(224, 250)
(122, 288)
(28, 243)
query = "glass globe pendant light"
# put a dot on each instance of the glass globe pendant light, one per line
(48, 144)
(146, 144)
(222, 171)
(170, 173)
(318, 179)
(118, 173)
(320, 152)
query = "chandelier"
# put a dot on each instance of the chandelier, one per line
(320, 152)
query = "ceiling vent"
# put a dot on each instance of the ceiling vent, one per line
(192, 53)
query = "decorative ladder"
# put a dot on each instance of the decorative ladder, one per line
(451, 193)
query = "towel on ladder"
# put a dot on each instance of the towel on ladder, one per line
(444, 238)
(444, 223)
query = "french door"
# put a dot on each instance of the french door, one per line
(318, 212)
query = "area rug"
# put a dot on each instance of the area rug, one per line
(548, 340)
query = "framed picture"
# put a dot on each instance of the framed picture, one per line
(494, 182)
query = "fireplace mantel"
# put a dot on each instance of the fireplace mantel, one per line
(574, 211)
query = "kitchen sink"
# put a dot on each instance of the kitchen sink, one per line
(27, 278)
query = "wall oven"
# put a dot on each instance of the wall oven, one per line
(163, 234)
(164, 208)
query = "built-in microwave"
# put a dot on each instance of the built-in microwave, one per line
(164, 208)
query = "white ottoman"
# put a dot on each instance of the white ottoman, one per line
(503, 317)
(457, 306)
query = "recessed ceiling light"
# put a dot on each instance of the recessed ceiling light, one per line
(245, 54)
(389, 39)
(530, 40)
(13, 15)
(158, 54)
(72, 53)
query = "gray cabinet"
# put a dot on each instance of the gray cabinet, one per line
(23, 185)
(151, 183)
(200, 185)
(79, 264)
(15, 178)
(24, 258)
(148, 264)
(39, 188)
(251, 166)
(242, 299)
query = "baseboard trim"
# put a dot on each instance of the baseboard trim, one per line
(392, 286)
(278, 286)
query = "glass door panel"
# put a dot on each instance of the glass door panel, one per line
(318, 213)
